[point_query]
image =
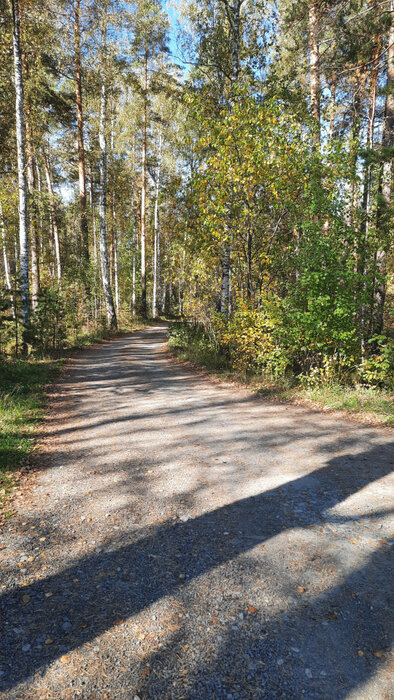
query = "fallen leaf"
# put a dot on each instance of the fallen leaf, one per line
(65, 659)
(333, 616)
(42, 539)
(48, 595)
(251, 609)
(378, 654)
(360, 653)
(145, 672)
(48, 641)
(292, 563)
(301, 589)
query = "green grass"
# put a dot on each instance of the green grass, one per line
(375, 403)
(22, 406)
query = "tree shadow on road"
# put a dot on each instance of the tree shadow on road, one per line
(91, 596)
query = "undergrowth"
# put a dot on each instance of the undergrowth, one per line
(190, 342)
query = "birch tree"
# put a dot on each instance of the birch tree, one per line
(22, 185)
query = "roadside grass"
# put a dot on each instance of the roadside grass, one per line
(23, 401)
(374, 405)
(370, 404)
(22, 406)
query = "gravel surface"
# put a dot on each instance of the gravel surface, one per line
(185, 539)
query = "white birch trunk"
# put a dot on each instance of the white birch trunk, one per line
(105, 274)
(22, 187)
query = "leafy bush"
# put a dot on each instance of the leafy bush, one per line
(378, 368)
(48, 322)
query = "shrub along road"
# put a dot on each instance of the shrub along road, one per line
(184, 539)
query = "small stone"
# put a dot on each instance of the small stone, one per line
(308, 673)
(323, 674)
(48, 594)
(48, 641)
(279, 662)
(184, 518)
(66, 626)
(25, 598)
(182, 576)
(26, 647)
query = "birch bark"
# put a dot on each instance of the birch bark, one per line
(22, 186)
(105, 274)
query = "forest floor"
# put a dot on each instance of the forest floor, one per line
(182, 538)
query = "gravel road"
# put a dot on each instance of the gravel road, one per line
(186, 539)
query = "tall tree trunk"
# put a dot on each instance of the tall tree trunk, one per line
(115, 244)
(249, 265)
(156, 231)
(143, 195)
(7, 274)
(314, 60)
(233, 13)
(225, 290)
(83, 220)
(386, 183)
(92, 208)
(22, 187)
(31, 183)
(367, 205)
(182, 279)
(109, 302)
(55, 228)
(332, 105)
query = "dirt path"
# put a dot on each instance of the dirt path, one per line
(187, 540)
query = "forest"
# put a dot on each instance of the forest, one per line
(223, 162)
(196, 349)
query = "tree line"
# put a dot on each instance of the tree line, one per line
(225, 160)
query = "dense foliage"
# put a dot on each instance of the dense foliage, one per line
(241, 177)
